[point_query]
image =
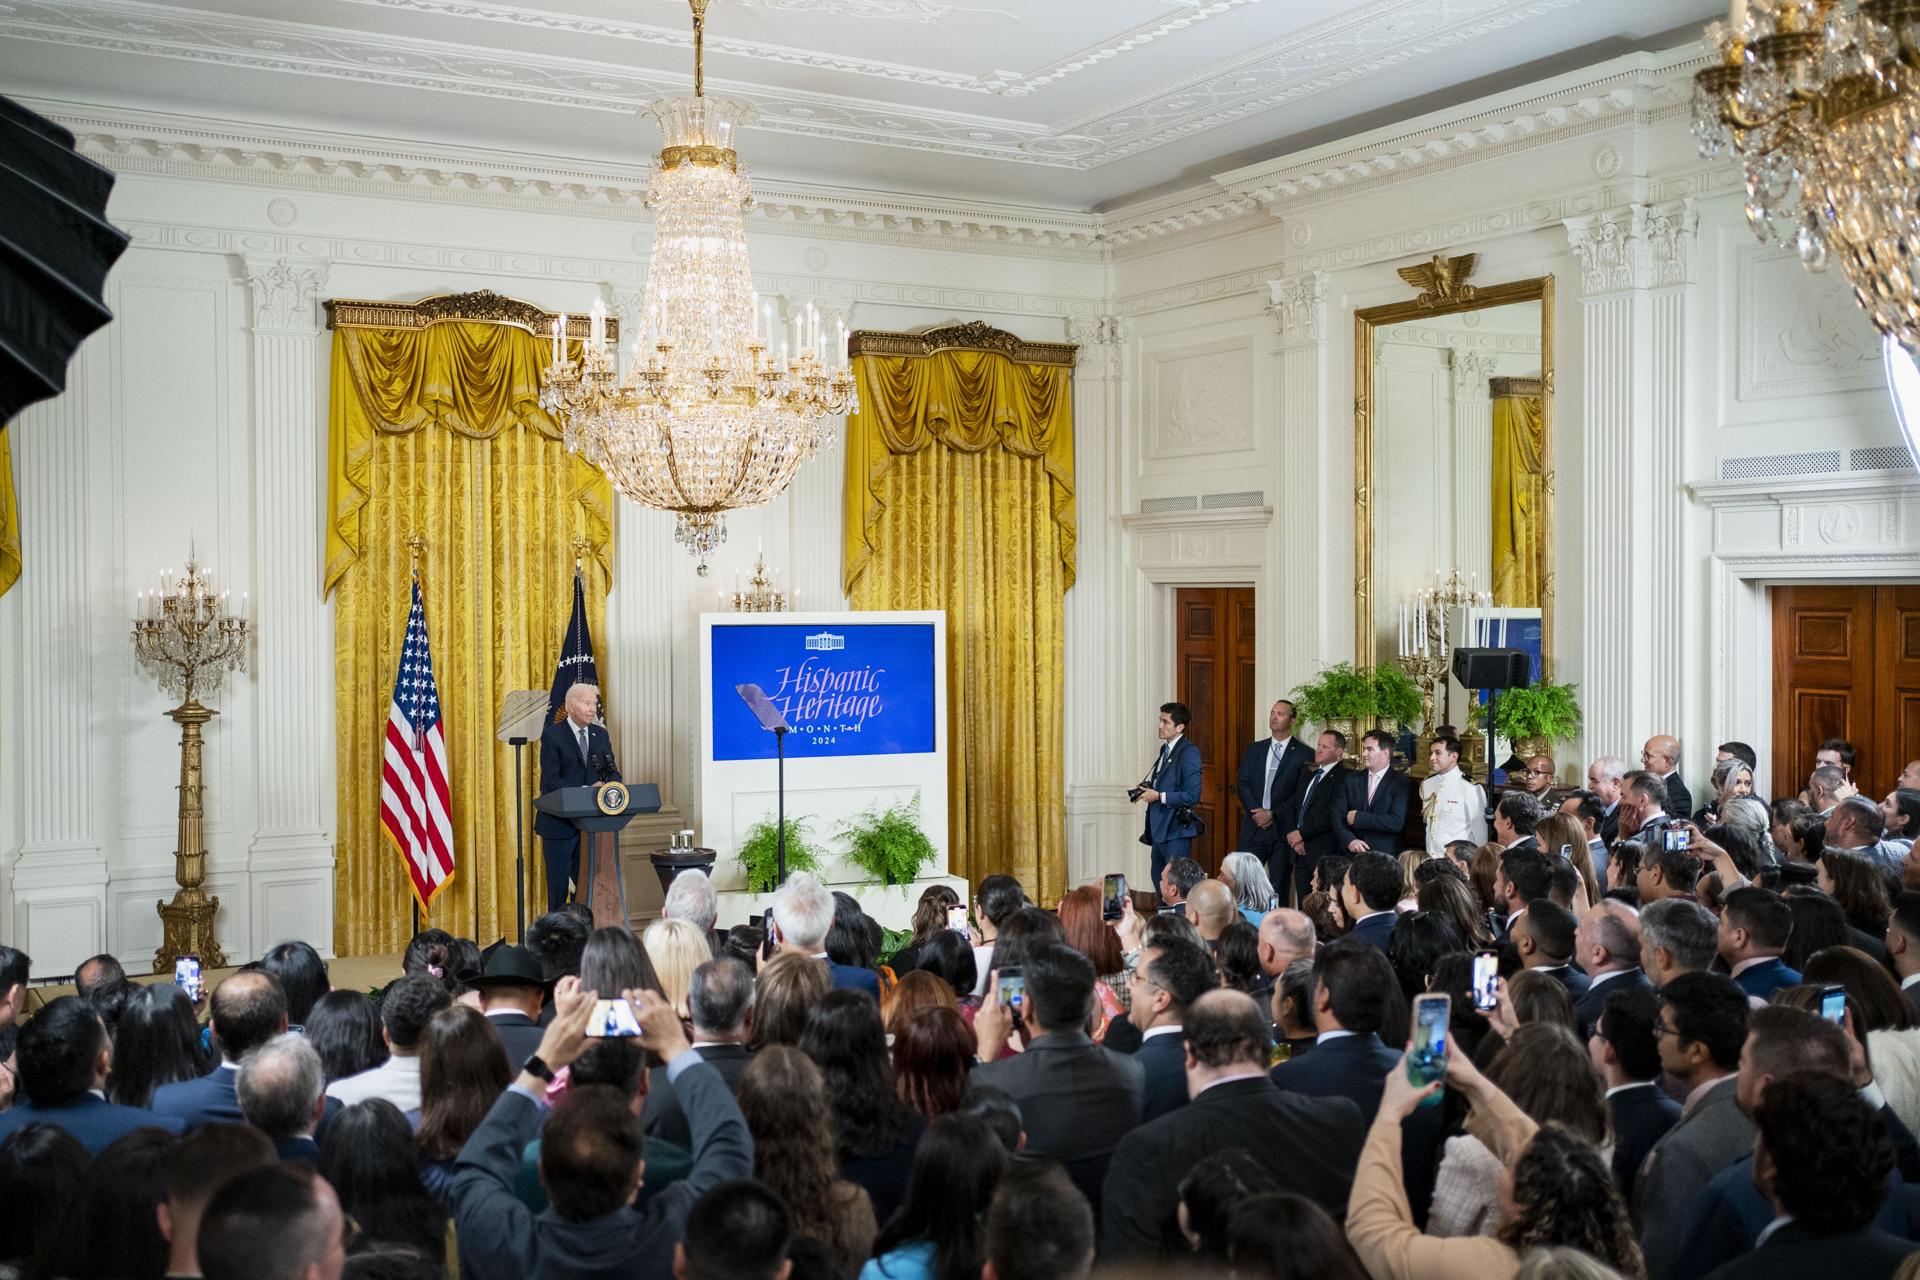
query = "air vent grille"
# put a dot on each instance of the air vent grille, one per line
(1233, 501)
(1162, 506)
(1779, 464)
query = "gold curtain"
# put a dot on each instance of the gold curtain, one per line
(438, 432)
(959, 497)
(1519, 433)
(9, 516)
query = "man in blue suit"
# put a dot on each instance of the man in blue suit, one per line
(801, 915)
(1754, 927)
(1373, 812)
(574, 752)
(65, 1057)
(248, 1009)
(1171, 975)
(1368, 893)
(1171, 789)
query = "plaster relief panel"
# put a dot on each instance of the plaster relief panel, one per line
(1800, 334)
(1202, 401)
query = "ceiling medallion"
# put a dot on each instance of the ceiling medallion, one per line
(718, 406)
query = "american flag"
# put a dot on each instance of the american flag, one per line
(414, 798)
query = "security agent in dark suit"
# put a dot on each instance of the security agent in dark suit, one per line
(1625, 1049)
(1310, 832)
(1374, 810)
(512, 988)
(574, 752)
(1352, 986)
(1308, 1145)
(64, 1057)
(590, 1161)
(1170, 790)
(1822, 1158)
(1269, 771)
(1076, 1098)
(1171, 975)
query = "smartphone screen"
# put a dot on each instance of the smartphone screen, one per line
(957, 919)
(613, 1018)
(1113, 897)
(1566, 851)
(1486, 979)
(1833, 1005)
(186, 976)
(1678, 838)
(1427, 1060)
(1013, 988)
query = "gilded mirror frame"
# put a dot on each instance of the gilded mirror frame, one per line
(1444, 292)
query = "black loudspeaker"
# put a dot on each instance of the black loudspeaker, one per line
(1492, 668)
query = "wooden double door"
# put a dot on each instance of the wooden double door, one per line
(1214, 658)
(1846, 664)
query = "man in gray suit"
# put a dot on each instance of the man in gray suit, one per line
(1702, 1026)
(1078, 1098)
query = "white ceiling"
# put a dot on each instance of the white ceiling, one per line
(1066, 103)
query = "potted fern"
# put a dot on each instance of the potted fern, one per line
(760, 853)
(1342, 698)
(888, 843)
(1396, 698)
(1536, 717)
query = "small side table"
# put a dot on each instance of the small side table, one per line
(668, 863)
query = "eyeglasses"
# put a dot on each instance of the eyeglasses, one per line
(1662, 1029)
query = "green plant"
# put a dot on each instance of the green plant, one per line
(1544, 710)
(892, 943)
(760, 853)
(1339, 692)
(888, 843)
(1395, 696)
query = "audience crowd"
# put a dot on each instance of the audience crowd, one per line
(1679, 1040)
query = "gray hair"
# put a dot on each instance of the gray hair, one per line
(279, 1086)
(1826, 777)
(1563, 1263)
(1612, 768)
(720, 995)
(1684, 930)
(1863, 815)
(1745, 811)
(1254, 889)
(803, 908)
(690, 897)
(1725, 771)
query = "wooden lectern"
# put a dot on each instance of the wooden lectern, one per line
(600, 811)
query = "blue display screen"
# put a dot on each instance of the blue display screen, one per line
(859, 689)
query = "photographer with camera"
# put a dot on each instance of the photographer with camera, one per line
(1170, 790)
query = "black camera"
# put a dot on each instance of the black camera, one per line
(1134, 794)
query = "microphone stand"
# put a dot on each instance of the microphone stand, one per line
(780, 842)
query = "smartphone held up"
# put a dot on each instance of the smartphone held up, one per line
(1427, 1059)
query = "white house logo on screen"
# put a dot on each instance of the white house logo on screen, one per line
(826, 640)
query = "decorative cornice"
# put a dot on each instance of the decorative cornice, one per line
(482, 306)
(1298, 305)
(1638, 247)
(974, 335)
(283, 293)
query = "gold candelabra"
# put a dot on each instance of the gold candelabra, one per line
(1426, 650)
(187, 638)
(760, 595)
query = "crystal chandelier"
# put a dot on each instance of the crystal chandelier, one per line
(1817, 99)
(716, 410)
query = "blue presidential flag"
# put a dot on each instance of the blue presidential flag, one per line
(576, 654)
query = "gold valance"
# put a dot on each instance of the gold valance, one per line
(974, 335)
(967, 399)
(1527, 388)
(481, 307)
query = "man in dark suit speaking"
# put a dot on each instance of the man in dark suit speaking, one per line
(1269, 771)
(1171, 789)
(574, 752)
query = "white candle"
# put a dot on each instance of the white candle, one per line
(1737, 16)
(1503, 633)
(1403, 631)
(556, 343)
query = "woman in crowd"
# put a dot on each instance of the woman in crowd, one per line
(1781, 814)
(464, 958)
(949, 957)
(1541, 997)
(1807, 837)
(1555, 1189)
(1859, 887)
(877, 1132)
(1545, 1072)
(917, 990)
(1253, 893)
(1485, 866)
(613, 961)
(1238, 955)
(1901, 809)
(1415, 946)
(158, 1043)
(1089, 933)
(933, 1051)
(1558, 831)
(787, 990)
(1453, 977)
(41, 1169)
(1731, 778)
(1211, 1193)
(784, 1100)
(940, 1231)
(1819, 923)
(344, 1029)
(368, 1156)
(462, 1070)
(1748, 814)
(1281, 1236)
(1885, 1018)
(431, 952)
(111, 1226)
(676, 948)
(854, 940)
(1453, 897)
(1293, 1008)
(929, 918)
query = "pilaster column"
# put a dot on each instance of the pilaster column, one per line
(1295, 625)
(1472, 462)
(1099, 819)
(60, 878)
(1636, 277)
